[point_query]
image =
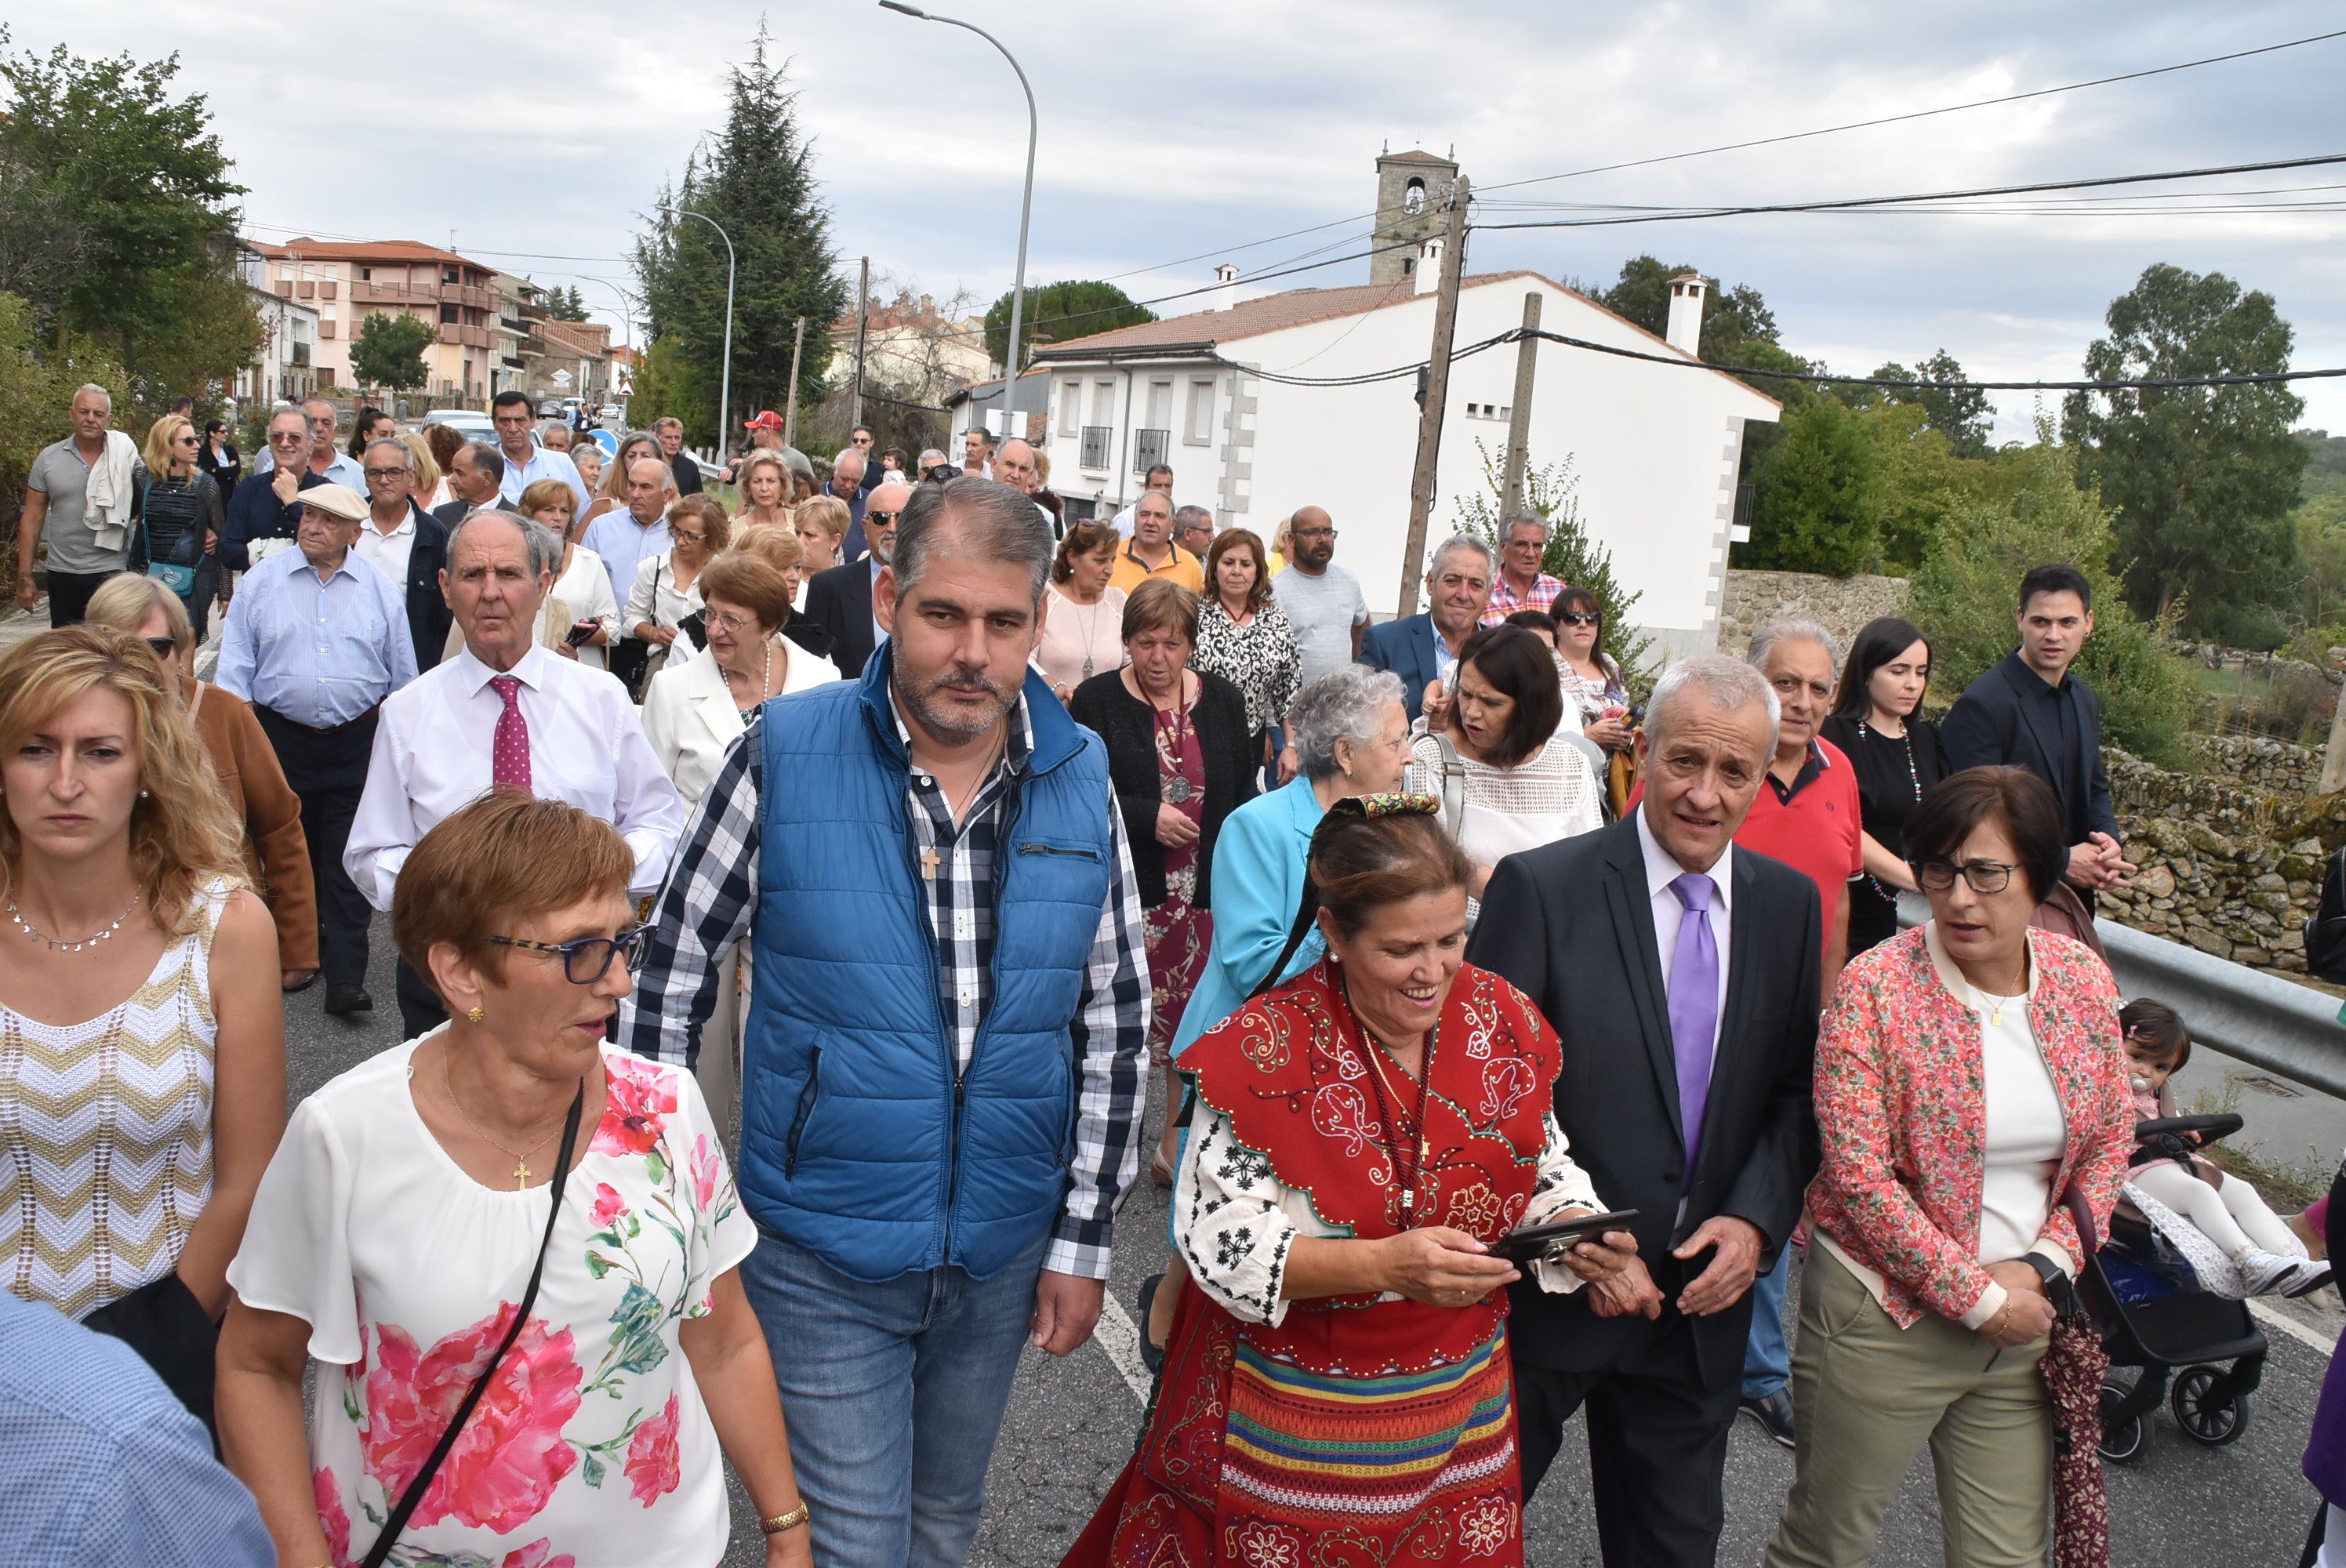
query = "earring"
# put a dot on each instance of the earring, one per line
(142, 794)
(474, 1014)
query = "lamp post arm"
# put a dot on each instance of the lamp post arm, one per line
(725, 383)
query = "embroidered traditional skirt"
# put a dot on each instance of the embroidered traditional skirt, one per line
(1264, 1464)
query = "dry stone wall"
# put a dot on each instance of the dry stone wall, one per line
(1840, 604)
(2260, 762)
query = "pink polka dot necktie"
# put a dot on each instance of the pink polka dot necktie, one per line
(509, 753)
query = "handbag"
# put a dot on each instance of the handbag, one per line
(2072, 1369)
(381, 1551)
(1453, 786)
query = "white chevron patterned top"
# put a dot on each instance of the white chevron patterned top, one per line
(105, 1134)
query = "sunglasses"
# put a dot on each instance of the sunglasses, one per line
(165, 648)
(675, 532)
(1579, 618)
(886, 519)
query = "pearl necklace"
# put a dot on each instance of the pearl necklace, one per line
(23, 925)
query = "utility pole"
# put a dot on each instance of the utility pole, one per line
(1437, 390)
(1519, 418)
(790, 413)
(863, 317)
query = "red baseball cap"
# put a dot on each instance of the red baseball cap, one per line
(767, 420)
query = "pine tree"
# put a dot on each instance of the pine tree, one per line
(757, 182)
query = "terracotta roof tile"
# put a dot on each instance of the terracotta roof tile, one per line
(364, 250)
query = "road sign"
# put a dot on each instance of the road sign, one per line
(607, 441)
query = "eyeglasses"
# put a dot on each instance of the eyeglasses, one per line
(185, 438)
(165, 648)
(1579, 617)
(288, 437)
(588, 958)
(1985, 876)
(386, 473)
(675, 532)
(731, 625)
(886, 519)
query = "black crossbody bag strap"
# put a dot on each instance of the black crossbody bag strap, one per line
(380, 1552)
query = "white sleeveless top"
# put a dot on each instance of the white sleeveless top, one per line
(106, 1133)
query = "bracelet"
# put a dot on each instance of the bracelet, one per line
(781, 1522)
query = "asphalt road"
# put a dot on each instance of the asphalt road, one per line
(1072, 1422)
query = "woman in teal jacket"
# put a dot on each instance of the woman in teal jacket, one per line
(1351, 737)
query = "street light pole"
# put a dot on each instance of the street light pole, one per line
(725, 393)
(1025, 210)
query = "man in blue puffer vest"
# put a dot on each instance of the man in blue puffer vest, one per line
(941, 1087)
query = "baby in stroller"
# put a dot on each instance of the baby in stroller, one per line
(2224, 1209)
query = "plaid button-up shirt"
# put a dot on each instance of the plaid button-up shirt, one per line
(710, 899)
(1505, 601)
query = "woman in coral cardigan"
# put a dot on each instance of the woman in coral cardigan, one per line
(1968, 1074)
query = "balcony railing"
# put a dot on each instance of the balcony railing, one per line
(1149, 449)
(1095, 447)
(470, 336)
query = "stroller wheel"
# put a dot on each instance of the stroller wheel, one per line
(2122, 1442)
(2204, 1417)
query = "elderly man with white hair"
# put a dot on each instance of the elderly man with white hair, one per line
(1521, 585)
(83, 485)
(504, 714)
(1680, 972)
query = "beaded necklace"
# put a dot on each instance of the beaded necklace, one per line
(1905, 739)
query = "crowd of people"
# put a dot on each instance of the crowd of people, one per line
(1512, 1037)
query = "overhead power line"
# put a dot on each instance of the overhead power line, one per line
(1918, 114)
(1857, 203)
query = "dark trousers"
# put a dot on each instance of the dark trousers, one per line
(1656, 1445)
(69, 595)
(328, 769)
(419, 1009)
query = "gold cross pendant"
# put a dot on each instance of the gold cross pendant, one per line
(930, 861)
(521, 1175)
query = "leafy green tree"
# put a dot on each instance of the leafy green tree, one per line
(1571, 558)
(1958, 412)
(2325, 462)
(38, 375)
(139, 183)
(564, 304)
(2202, 479)
(388, 350)
(1817, 493)
(1059, 313)
(756, 179)
(1964, 598)
(665, 385)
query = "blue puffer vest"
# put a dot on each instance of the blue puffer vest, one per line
(857, 1141)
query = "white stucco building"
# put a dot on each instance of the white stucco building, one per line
(1655, 448)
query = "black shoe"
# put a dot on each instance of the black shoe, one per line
(1774, 1415)
(348, 999)
(1151, 1356)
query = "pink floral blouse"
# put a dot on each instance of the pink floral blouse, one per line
(1901, 1110)
(592, 1446)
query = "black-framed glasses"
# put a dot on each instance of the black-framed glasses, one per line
(386, 473)
(165, 648)
(1985, 876)
(886, 519)
(587, 959)
(1579, 617)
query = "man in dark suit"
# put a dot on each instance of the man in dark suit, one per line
(2030, 712)
(407, 544)
(1423, 649)
(475, 475)
(840, 600)
(1680, 973)
(670, 433)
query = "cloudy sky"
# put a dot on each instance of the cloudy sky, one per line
(1176, 136)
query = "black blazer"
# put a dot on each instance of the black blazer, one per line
(448, 514)
(2000, 721)
(1129, 725)
(839, 600)
(428, 616)
(1572, 924)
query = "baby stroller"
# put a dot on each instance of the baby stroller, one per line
(2155, 1315)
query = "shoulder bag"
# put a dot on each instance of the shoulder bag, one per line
(1453, 786)
(380, 1552)
(179, 579)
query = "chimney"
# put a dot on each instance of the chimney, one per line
(1685, 332)
(1428, 273)
(1226, 297)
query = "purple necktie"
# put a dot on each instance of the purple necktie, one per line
(1694, 1005)
(509, 747)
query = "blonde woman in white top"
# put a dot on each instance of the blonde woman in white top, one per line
(1525, 786)
(666, 586)
(582, 588)
(1083, 628)
(142, 1035)
(765, 492)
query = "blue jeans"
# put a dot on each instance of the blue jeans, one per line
(1767, 1359)
(894, 1394)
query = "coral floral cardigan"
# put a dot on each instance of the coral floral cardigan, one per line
(1901, 1109)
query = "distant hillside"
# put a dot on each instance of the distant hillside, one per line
(2325, 462)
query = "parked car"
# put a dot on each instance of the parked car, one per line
(469, 422)
(610, 416)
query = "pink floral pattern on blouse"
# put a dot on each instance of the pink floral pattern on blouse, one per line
(1901, 1110)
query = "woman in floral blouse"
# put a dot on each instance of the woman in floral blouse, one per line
(396, 1230)
(1969, 1074)
(1244, 637)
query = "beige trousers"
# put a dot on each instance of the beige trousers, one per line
(1866, 1395)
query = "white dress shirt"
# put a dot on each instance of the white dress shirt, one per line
(432, 758)
(389, 553)
(541, 464)
(1661, 870)
(586, 587)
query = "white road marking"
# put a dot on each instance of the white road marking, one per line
(2273, 1318)
(1121, 1341)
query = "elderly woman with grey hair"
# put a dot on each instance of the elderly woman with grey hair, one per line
(1351, 737)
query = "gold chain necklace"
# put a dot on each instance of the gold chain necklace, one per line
(521, 1157)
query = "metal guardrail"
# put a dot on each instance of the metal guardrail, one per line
(2244, 1013)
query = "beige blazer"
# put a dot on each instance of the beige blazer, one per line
(691, 722)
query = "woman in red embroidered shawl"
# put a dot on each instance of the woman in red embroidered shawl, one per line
(1337, 1390)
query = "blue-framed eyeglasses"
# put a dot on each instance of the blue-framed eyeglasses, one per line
(587, 959)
